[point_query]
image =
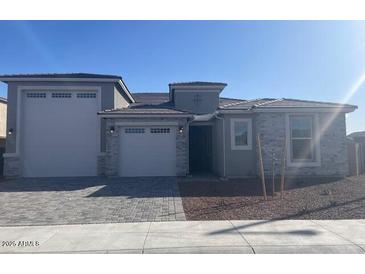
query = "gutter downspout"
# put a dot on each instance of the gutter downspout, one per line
(224, 143)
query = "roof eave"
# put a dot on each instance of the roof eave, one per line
(346, 109)
(51, 79)
(126, 90)
(197, 87)
(134, 115)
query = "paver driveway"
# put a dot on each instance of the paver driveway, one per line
(89, 200)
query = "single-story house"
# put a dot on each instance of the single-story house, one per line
(83, 124)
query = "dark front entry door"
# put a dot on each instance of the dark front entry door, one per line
(200, 149)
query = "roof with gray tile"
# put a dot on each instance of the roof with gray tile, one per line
(141, 111)
(151, 98)
(148, 103)
(159, 103)
(282, 103)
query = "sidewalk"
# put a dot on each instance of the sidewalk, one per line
(289, 236)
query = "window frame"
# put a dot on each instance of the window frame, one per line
(316, 159)
(249, 134)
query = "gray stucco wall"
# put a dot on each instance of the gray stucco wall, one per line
(208, 101)
(239, 163)
(11, 118)
(333, 149)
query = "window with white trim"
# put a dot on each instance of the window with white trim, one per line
(241, 134)
(303, 146)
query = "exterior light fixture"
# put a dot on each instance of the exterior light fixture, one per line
(181, 129)
(111, 130)
(11, 131)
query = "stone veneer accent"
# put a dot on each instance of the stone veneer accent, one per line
(101, 164)
(333, 149)
(11, 166)
(182, 152)
(111, 158)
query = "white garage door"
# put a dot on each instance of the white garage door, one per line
(60, 134)
(147, 151)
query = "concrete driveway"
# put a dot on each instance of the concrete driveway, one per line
(50, 201)
(286, 236)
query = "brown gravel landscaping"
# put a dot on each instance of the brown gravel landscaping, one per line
(306, 199)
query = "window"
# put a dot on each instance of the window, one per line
(61, 95)
(301, 132)
(303, 146)
(241, 134)
(134, 130)
(86, 95)
(160, 130)
(36, 95)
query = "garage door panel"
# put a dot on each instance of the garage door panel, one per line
(60, 136)
(147, 154)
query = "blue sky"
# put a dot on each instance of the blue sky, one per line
(315, 60)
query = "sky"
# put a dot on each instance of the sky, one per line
(311, 60)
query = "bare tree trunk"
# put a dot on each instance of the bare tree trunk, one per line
(261, 167)
(283, 163)
(273, 174)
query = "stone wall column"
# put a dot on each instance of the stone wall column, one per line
(112, 150)
(12, 166)
(182, 150)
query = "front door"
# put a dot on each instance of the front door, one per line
(200, 149)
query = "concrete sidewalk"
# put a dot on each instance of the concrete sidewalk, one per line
(289, 236)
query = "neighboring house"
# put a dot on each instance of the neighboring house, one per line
(89, 124)
(358, 136)
(3, 105)
(356, 152)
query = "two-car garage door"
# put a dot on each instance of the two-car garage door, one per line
(60, 133)
(147, 151)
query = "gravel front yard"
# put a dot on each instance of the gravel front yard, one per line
(240, 199)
